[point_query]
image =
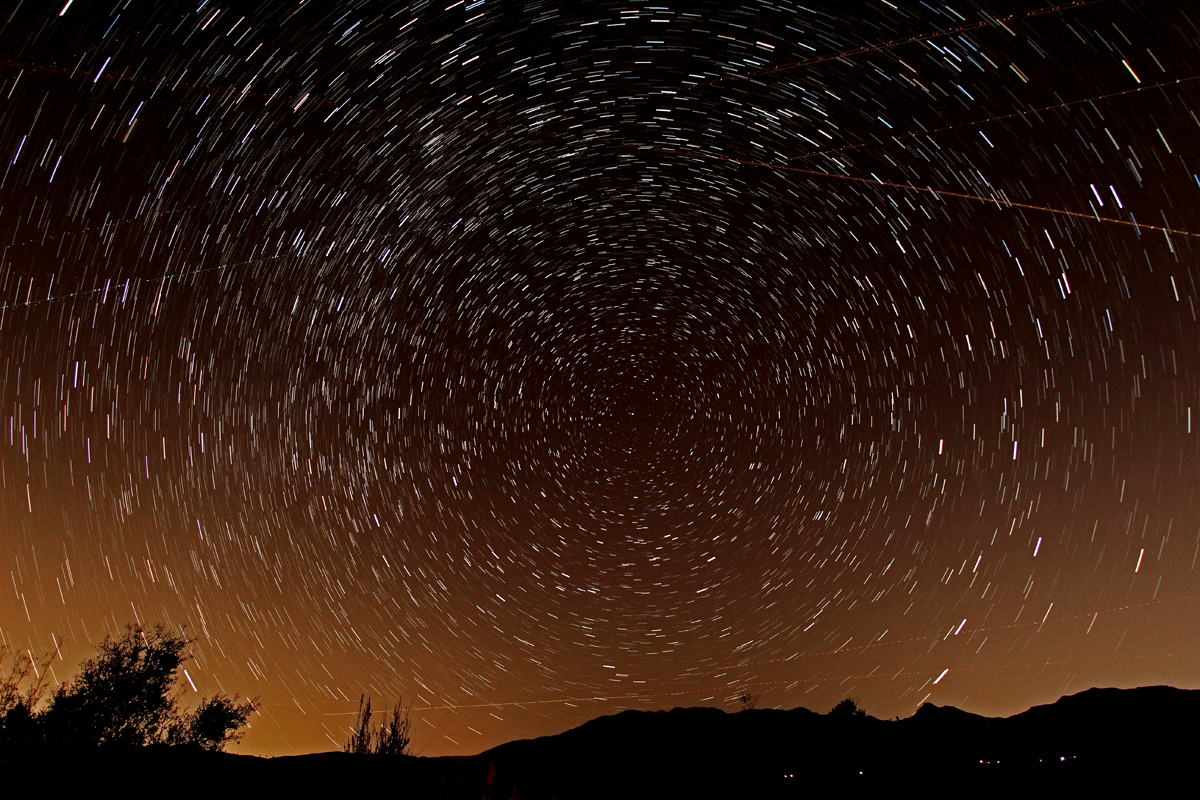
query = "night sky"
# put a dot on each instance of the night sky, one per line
(539, 360)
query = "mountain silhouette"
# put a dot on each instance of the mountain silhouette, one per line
(1093, 741)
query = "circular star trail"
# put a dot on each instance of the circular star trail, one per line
(533, 361)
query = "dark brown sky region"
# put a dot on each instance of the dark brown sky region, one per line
(538, 360)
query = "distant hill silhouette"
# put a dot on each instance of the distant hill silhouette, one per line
(1092, 741)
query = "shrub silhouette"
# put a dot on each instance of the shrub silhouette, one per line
(127, 695)
(848, 708)
(216, 722)
(391, 739)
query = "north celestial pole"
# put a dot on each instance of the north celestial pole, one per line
(535, 361)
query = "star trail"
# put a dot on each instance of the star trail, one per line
(534, 361)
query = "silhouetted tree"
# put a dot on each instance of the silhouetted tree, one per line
(392, 738)
(127, 695)
(17, 705)
(122, 696)
(749, 701)
(847, 708)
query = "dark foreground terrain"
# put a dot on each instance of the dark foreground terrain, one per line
(1110, 742)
